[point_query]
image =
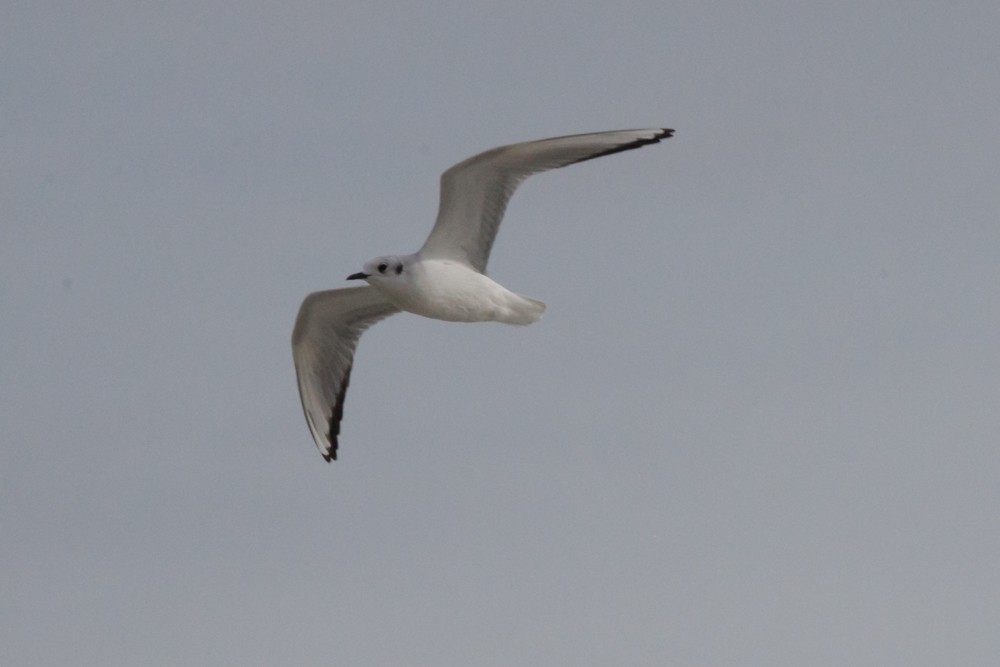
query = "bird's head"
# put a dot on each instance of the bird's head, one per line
(381, 269)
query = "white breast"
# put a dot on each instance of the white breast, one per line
(451, 291)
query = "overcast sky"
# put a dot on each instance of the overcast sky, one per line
(758, 424)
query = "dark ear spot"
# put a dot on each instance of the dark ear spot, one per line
(399, 269)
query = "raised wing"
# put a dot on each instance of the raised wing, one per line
(323, 342)
(475, 192)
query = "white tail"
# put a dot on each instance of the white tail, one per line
(522, 310)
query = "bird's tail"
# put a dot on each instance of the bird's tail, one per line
(523, 311)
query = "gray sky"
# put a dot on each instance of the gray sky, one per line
(757, 425)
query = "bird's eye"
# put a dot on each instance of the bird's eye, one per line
(399, 269)
(382, 267)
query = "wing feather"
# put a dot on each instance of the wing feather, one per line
(325, 337)
(475, 192)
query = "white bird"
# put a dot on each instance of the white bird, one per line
(444, 280)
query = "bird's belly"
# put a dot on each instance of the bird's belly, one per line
(453, 304)
(454, 293)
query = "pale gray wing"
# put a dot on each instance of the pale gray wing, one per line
(323, 342)
(475, 192)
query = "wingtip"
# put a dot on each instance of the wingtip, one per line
(335, 416)
(331, 453)
(662, 133)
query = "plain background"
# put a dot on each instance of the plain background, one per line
(758, 424)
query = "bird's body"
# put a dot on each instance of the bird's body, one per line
(444, 280)
(444, 289)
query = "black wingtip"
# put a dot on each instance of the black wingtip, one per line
(331, 455)
(335, 416)
(663, 133)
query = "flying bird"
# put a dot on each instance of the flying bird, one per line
(444, 280)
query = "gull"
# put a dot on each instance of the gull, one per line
(444, 280)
